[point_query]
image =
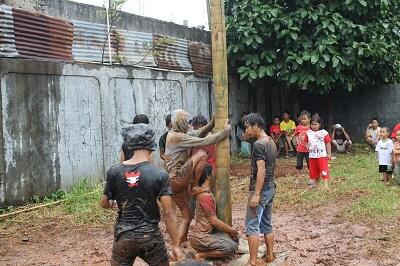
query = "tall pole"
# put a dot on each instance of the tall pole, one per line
(208, 14)
(220, 80)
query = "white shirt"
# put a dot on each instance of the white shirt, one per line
(384, 150)
(317, 143)
(374, 133)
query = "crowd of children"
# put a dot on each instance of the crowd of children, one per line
(311, 142)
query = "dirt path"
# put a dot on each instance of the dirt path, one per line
(311, 236)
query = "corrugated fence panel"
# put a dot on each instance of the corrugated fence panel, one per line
(89, 41)
(42, 36)
(7, 36)
(136, 48)
(201, 59)
(171, 53)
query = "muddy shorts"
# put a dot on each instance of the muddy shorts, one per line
(149, 248)
(259, 219)
(214, 242)
(180, 184)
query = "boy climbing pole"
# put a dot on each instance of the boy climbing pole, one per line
(184, 169)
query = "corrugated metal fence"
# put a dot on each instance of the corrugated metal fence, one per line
(31, 35)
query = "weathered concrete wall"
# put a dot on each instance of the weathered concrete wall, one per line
(354, 110)
(61, 122)
(76, 11)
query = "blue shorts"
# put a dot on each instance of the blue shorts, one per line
(259, 220)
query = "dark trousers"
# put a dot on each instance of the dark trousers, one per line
(300, 158)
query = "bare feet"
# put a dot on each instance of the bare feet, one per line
(258, 263)
(269, 258)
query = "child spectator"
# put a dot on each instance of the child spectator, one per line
(276, 134)
(372, 133)
(319, 144)
(340, 139)
(395, 130)
(384, 149)
(300, 133)
(287, 127)
(396, 159)
(208, 234)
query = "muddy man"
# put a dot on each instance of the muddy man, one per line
(185, 169)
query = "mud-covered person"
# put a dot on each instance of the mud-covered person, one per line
(261, 190)
(185, 169)
(126, 153)
(208, 233)
(163, 138)
(136, 185)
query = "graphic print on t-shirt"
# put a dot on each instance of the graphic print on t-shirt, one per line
(132, 178)
(317, 143)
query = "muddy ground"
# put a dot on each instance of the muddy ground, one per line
(312, 236)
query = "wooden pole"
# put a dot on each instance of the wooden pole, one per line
(220, 81)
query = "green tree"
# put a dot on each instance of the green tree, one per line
(317, 45)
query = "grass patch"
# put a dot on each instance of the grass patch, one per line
(354, 187)
(83, 203)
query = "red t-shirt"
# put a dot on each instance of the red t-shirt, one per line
(208, 205)
(396, 128)
(301, 133)
(275, 131)
(211, 153)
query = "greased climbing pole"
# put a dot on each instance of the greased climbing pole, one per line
(220, 81)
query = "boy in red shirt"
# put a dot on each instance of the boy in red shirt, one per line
(198, 122)
(300, 133)
(276, 134)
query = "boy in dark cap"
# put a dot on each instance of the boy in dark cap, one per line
(135, 185)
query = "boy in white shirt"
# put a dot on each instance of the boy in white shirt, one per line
(384, 149)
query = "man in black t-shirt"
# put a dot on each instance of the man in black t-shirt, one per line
(135, 185)
(163, 138)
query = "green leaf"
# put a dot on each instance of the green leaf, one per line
(335, 61)
(362, 2)
(314, 58)
(274, 12)
(253, 74)
(258, 39)
(270, 71)
(249, 41)
(293, 78)
(322, 64)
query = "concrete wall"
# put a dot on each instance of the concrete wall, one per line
(354, 110)
(76, 11)
(61, 122)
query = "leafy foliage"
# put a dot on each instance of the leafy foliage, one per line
(317, 45)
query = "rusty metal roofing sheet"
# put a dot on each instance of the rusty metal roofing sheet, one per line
(200, 57)
(136, 48)
(89, 41)
(40, 36)
(171, 53)
(7, 36)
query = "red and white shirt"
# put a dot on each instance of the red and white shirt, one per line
(317, 141)
(300, 133)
